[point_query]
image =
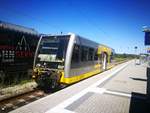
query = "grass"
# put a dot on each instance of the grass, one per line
(120, 59)
(21, 82)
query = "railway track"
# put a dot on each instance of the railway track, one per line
(21, 100)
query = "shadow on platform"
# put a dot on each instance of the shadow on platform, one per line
(140, 79)
(140, 103)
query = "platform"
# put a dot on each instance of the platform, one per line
(121, 89)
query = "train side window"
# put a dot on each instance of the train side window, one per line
(96, 56)
(75, 55)
(84, 54)
(91, 54)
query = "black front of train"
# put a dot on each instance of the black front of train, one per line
(49, 61)
(46, 77)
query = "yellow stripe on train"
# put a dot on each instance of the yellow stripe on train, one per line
(77, 78)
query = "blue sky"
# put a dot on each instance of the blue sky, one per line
(116, 23)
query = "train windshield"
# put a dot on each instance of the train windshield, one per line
(49, 51)
(52, 50)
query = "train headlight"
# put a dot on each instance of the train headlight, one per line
(33, 76)
(38, 65)
(60, 67)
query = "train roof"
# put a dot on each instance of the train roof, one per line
(83, 41)
(88, 42)
(18, 28)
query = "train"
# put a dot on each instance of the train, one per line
(66, 59)
(17, 48)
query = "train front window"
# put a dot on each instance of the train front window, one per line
(48, 51)
(52, 51)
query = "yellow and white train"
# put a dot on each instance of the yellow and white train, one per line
(66, 59)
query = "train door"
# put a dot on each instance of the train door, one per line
(104, 61)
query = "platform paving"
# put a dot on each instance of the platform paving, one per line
(132, 79)
(119, 90)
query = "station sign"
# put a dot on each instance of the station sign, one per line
(147, 38)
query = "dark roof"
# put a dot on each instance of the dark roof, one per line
(18, 28)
